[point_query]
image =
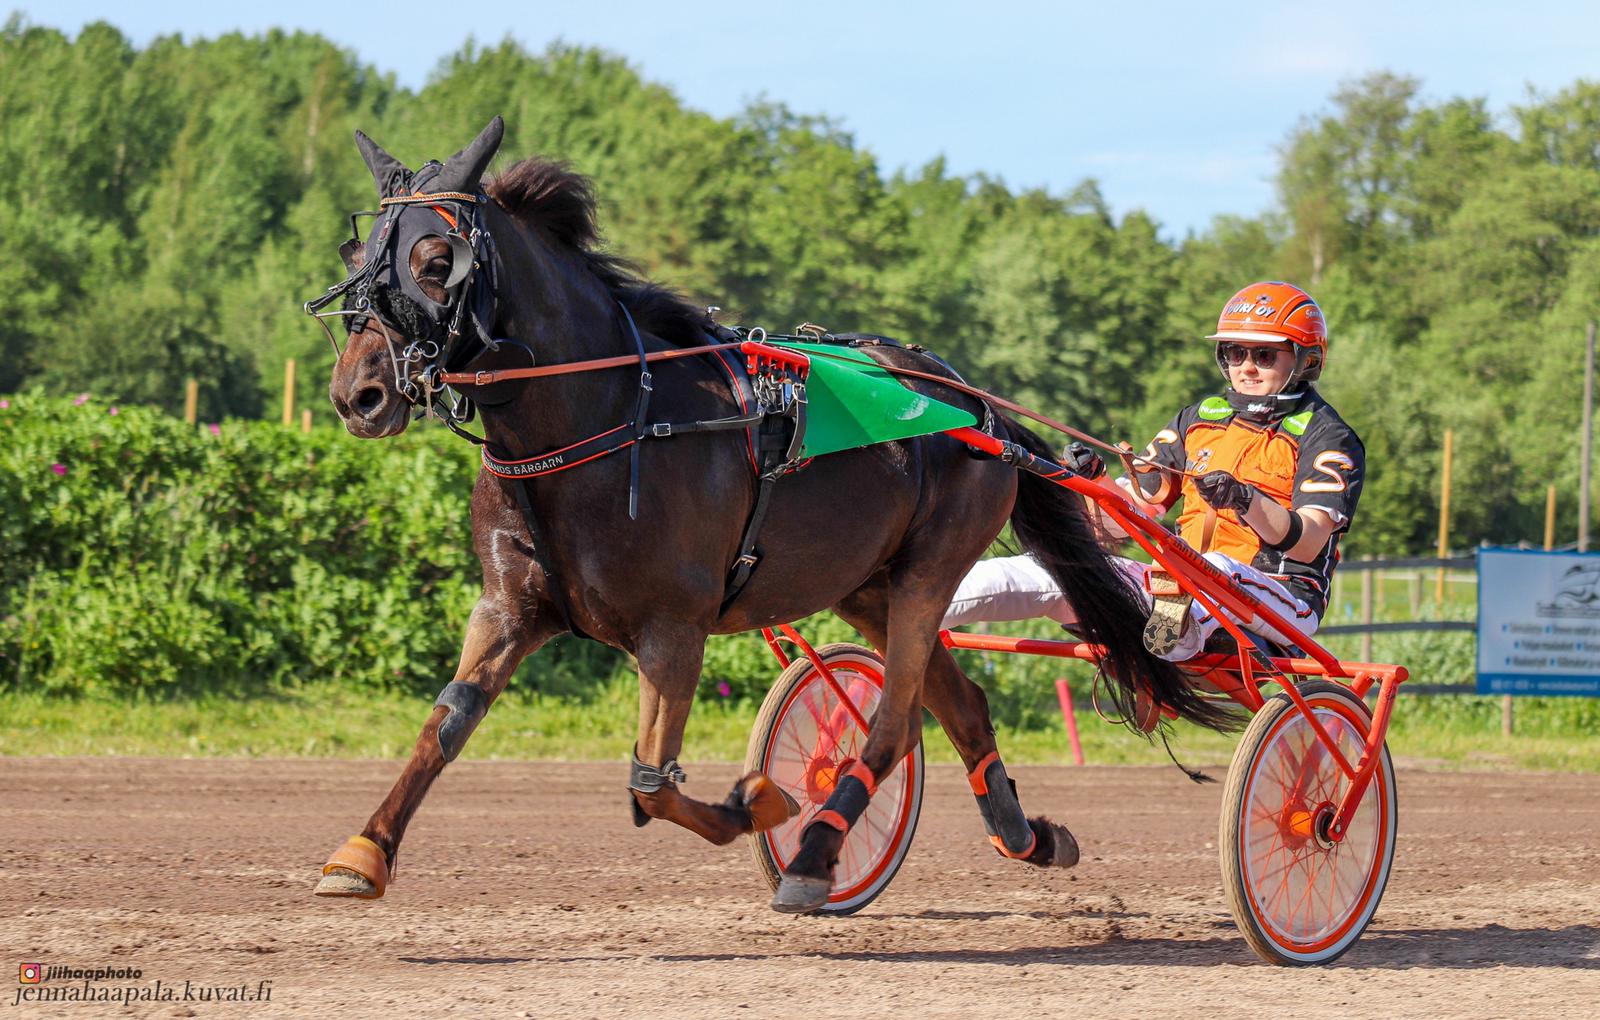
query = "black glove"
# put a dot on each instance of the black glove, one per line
(1225, 492)
(1083, 460)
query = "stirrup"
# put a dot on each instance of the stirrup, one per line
(1169, 613)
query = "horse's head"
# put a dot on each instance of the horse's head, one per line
(420, 295)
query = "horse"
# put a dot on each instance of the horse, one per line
(635, 550)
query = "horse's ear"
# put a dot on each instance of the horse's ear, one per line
(463, 170)
(390, 174)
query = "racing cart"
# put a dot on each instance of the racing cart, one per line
(1309, 810)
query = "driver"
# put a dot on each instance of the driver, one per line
(1273, 478)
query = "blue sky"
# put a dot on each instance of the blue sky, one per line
(1176, 108)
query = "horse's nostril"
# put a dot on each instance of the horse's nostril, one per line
(368, 400)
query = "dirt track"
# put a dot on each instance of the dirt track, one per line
(524, 890)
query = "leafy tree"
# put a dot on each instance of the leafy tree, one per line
(1563, 129)
(1341, 174)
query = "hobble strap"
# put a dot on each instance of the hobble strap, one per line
(649, 779)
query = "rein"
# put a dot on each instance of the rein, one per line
(485, 378)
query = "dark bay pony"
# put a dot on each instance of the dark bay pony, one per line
(882, 535)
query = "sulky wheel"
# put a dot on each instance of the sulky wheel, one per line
(804, 739)
(1298, 897)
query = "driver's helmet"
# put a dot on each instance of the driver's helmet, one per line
(1271, 312)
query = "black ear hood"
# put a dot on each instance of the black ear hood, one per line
(461, 172)
(464, 170)
(389, 173)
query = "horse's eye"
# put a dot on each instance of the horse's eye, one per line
(430, 261)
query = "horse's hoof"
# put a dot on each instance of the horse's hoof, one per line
(359, 869)
(768, 803)
(801, 894)
(341, 882)
(1055, 846)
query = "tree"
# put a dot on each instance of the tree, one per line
(1341, 174)
(1563, 129)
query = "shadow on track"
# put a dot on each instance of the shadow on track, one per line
(1576, 947)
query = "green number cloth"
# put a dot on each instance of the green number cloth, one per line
(854, 402)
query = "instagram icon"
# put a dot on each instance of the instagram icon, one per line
(30, 973)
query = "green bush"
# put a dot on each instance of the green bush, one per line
(138, 554)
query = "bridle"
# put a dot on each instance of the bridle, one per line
(467, 316)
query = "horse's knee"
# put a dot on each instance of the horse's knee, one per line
(1003, 819)
(466, 705)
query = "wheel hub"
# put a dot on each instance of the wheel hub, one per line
(1302, 824)
(822, 775)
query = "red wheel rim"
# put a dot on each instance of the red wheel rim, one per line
(1307, 894)
(813, 737)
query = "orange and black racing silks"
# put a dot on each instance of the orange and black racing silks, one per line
(1298, 452)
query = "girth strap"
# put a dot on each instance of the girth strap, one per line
(745, 564)
(640, 412)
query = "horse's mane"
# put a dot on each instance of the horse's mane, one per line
(552, 197)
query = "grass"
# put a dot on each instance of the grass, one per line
(598, 722)
(329, 722)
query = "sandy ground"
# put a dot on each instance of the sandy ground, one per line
(523, 890)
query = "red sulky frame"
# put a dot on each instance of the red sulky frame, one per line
(1234, 674)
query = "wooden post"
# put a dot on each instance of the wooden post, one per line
(305, 420)
(1587, 440)
(288, 393)
(1550, 518)
(191, 402)
(1444, 514)
(1366, 613)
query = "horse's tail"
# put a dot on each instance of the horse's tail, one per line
(1052, 524)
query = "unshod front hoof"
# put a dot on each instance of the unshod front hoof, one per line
(801, 894)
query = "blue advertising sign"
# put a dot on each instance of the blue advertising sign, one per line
(1538, 622)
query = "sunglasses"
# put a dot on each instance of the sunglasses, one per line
(1236, 355)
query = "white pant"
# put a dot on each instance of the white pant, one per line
(1017, 588)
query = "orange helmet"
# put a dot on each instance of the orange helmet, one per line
(1274, 311)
